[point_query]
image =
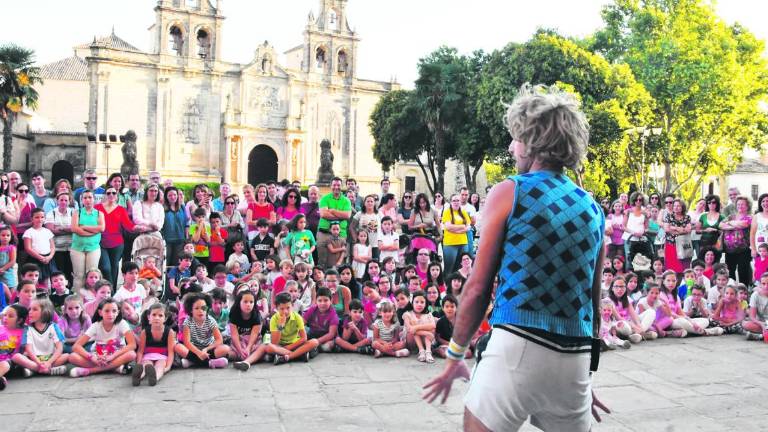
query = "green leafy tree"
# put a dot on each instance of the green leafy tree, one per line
(707, 79)
(611, 98)
(18, 74)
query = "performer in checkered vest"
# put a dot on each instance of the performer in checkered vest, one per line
(543, 236)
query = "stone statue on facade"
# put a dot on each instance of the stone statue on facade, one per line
(130, 164)
(325, 172)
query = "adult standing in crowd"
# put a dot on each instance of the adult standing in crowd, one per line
(38, 193)
(456, 224)
(90, 184)
(14, 180)
(708, 224)
(537, 361)
(439, 204)
(311, 209)
(149, 212)
(736, 241)
(201, 198)
(135, 192)
(352, 186)
(116, 221)
(730, 208)
(758, 233)
(8, 210)
(61, 186)
(367, 219)
(87, 226)
(290, 204)
(635, 227)
(59, 221)
(404, 212)
(258, 208)
(233, 222)
(224, 191)
(695, 214)
(174, 226)
(334, 206)
(471, 211)
(676, 224)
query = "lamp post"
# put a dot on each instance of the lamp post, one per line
(106, 140)
(643, 133)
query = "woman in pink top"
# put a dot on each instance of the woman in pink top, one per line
(290, 204)
(112, 243)
(614, 228)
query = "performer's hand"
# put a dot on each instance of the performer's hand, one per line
(441, 385)
(597, 404)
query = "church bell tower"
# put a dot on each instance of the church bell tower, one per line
(188, 29)
(330, 44)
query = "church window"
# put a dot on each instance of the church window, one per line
(193, 4)
(342, 64)
(203, 43)
(320, 58)
(333, 20)
(266, 63)
(176, 40)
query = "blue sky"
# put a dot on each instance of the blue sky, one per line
(395, 33)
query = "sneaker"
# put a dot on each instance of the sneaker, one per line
(269, 358)
(313, 353)
(79, 372)
(365, 350)
(136, 376)
(120, 370)
(27, 372)
(218, 363)
(337, 349)
(58, 370)
(151, 374)
(376, 354)
(677, 333)
(280, 359)
(422, 356)
(308, 355)
(714, 331)
(626, 344)
(650, 335)
(754, 336)
(428, 357)
(185, 363)
(3, 383)
(241, 366)
(635, 338)
(402, 353)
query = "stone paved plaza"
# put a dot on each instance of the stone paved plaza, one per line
(698, 384)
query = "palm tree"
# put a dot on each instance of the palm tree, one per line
(17, 75)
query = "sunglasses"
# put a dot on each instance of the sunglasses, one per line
(668, 202)
(407, 197)
(292, 196)
(91, 178)
(4, 180)
(111, 193)
(22, 190)
(230, 203)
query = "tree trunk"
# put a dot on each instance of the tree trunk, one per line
(440, 158)
(7, 141)
(474, 175)
(468, 177)
(430, 183)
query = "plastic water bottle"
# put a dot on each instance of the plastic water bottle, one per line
(267, 339)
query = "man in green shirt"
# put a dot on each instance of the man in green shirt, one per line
(333, 207)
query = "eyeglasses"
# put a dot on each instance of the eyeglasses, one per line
(230, 203)
(668, 202)
(91, 178)
(111, 193)
(22, 190)
(292, 196)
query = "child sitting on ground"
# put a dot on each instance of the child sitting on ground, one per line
(420, 327)
(728, 313)
(387, 333)
(131, 290)
(43, 343)
(203, 343)
(354, 330)
(11, 336)
(74, 321)
(322, 321)
(219, 311)
(245, 328)
(157, 344)
(758, 310)
(444, 327)
(59, 290)
(288, 336)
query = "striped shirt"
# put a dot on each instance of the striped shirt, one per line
(200, 335)
(388, 334)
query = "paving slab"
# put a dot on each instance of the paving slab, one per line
(696, 384)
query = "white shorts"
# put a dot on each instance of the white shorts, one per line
(517, 378)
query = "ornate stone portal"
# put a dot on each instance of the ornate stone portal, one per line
(325, 172)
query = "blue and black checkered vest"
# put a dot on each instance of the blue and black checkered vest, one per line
(553, 239)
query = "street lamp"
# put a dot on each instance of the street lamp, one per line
(643, 133)
(106, 140)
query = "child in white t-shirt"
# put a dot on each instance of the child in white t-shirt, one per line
(38, 243)
(131, 291)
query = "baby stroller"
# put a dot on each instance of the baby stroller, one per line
(422, 241)
(151, 245)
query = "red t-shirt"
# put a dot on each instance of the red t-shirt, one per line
(216, 252)
(114, 224)
(259, 211)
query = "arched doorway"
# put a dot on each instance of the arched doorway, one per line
(262, 165)
(62, 170)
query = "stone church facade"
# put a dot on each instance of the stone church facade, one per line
(199, 118)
